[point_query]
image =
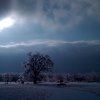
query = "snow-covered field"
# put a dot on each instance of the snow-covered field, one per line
(48, 91)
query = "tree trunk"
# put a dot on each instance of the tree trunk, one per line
(35, 80)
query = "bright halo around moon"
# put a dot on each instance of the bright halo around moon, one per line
(6, 23)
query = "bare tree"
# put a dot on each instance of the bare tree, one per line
(37, 63)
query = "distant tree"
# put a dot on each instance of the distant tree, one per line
(1, 78)
(15, 77)
(60, 78)
(37, 63)
(50, 76)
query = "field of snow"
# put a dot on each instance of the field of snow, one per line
(48, 91)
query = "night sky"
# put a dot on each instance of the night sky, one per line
(66, 30)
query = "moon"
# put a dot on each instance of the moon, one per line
(6, 23)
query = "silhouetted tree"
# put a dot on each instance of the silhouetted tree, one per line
(37, 63)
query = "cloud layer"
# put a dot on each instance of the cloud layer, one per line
(49, 43)
(52, 13)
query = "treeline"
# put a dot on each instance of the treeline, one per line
(79, 77)
(9, 77)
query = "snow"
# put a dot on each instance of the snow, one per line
(49, 91)
(70, 94)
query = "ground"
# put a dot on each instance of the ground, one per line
(50, 91)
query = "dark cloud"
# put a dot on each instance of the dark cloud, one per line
(26, 7)
(5, 7)
(54, 13)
